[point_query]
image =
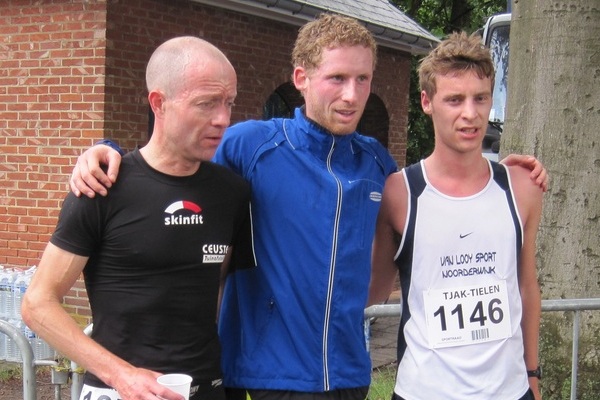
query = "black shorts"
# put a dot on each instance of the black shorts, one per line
(208, 391)
(342, 394)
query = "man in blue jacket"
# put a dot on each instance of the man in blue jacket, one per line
(295, 322)
(292, 328)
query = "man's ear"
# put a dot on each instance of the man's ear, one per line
(300, 78)
(425, 103)
(156, 102)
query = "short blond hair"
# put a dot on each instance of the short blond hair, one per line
(326, 32)
(459, 52)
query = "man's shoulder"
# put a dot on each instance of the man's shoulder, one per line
(248, 135)
(521, 182)
(222, 171)
(379, 152)
(252, 128)
(245, 141)
(368, 141)
(225, 174)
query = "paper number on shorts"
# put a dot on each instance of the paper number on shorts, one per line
(88, 396)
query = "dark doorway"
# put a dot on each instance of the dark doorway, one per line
(375, 121)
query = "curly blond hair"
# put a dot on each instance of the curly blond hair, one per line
(326, 32)
(459, 52)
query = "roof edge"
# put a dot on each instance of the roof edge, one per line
(297, 13)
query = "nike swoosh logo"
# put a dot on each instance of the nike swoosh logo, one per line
(465, 235)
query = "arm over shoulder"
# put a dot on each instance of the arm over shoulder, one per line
(388, 231)
(244, 142)
(529, 202)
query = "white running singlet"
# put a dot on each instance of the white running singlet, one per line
(460, 335)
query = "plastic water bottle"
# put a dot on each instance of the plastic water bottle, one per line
(13, 353)
(2, 346)
(6, 293)
(41, 349)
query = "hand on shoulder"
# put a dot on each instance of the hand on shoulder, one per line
(527, 192)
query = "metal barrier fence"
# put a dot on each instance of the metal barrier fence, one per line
(385, 310)
(575, 305)
(30, 363)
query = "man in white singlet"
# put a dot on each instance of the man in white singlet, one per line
(461, 232)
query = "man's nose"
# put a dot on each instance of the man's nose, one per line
(469, 110)
(222, 116)
(350, 91)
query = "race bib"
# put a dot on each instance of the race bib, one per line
(95, 393)
(467, 315)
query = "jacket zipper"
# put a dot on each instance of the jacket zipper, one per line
(331, 268)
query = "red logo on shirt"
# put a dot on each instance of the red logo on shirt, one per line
(191, 215)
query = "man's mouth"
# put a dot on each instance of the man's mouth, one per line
(346, 114)
(469, 131)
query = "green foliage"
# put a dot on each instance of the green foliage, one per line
(439, 17)
(9, 371)
(382, 383)
(420, 141)
(555, 358)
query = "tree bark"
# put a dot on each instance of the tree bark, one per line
(553, 112)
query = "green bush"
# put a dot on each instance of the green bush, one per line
(556, 345)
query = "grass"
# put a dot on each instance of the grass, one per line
(382, 383)
(9, 371)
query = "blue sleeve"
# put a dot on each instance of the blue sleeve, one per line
(242, 143)
(382, 155)
(112, 145)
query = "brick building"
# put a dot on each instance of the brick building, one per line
(72, 73)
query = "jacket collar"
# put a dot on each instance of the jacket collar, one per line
(310, 135)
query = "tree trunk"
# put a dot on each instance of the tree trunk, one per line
(553, 112)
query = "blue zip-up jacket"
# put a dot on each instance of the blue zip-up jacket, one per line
(295, 322)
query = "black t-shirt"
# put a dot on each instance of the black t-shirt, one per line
(155, 246)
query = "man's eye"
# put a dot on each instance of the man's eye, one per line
(207, 105)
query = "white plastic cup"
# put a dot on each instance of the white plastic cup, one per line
(179, 383)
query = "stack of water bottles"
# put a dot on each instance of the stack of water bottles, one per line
(13, 284)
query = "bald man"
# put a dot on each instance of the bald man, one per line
(154, 252)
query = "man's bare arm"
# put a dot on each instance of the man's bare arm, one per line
(42, 311)
(529, 202)
(385, 244)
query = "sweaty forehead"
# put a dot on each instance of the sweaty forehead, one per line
(213, 76)
(460, 76)
(347, 59)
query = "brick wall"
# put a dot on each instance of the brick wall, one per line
(392, 82)
(72, 72)
(51, 105)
